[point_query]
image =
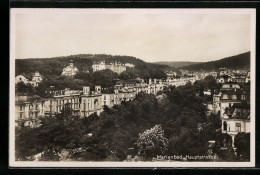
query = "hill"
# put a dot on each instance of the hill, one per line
(54, 66)
(241, 61)
(176, 64)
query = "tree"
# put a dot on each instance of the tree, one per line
(223, 147)
(242, 144)
(152, 143)
(20, 87)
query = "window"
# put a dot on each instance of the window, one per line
(234, 97)
(229, 105)
(21, 107)
(96, 104)
(225, 126)
(21, 116)
(238, 127)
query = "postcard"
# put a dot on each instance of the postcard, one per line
(95, 87)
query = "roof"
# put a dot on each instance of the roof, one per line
(27, 98)
(239, 111)
(232, 92)
(223, 76)
(29, 76)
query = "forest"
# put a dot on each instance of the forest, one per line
(173, 123)
(50, 67)
(241, 61)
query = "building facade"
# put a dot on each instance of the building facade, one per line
(236, 120)
(116, 67)
(28, 110)
(91, 101)
(33, 79)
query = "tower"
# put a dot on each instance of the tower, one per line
(71, 63)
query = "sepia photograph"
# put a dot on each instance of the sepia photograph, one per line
(95, 87)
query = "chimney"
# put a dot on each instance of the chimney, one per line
(98, 89)
(150, 81)
(86, 90)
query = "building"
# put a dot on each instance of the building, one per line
(33, 79)
(179, 81)
(207, 92)
(21, 78)
(110, 99)
(28, 110)
(154, 87)
(171, 75)
(70, 70)
(50, 107)
(228, 99)
(36, 79)
(240, 78)
(216, 103)
(126, 94)
(223, 79)
(230, 86)
(62, 98)
(236, 119)
(129, 65)
(116, 67)
(210, 108)
(98, 66)
(91, 101)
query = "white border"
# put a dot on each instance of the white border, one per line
(13, 163)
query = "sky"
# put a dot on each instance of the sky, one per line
(149, 34)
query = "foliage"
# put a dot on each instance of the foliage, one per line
(234, 62)
(223, 147)
(20, 87)
(242, 143)
(49, 67)
(152, 143)
(113, 135)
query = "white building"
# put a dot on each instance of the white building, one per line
(129, 65)
(37, 78)
(115, 67)
(21, 78)
(33, 79)
(110, 99)
(70, 70)
(28, 110)
(91, 101)
(236, 119)
(98, 66)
